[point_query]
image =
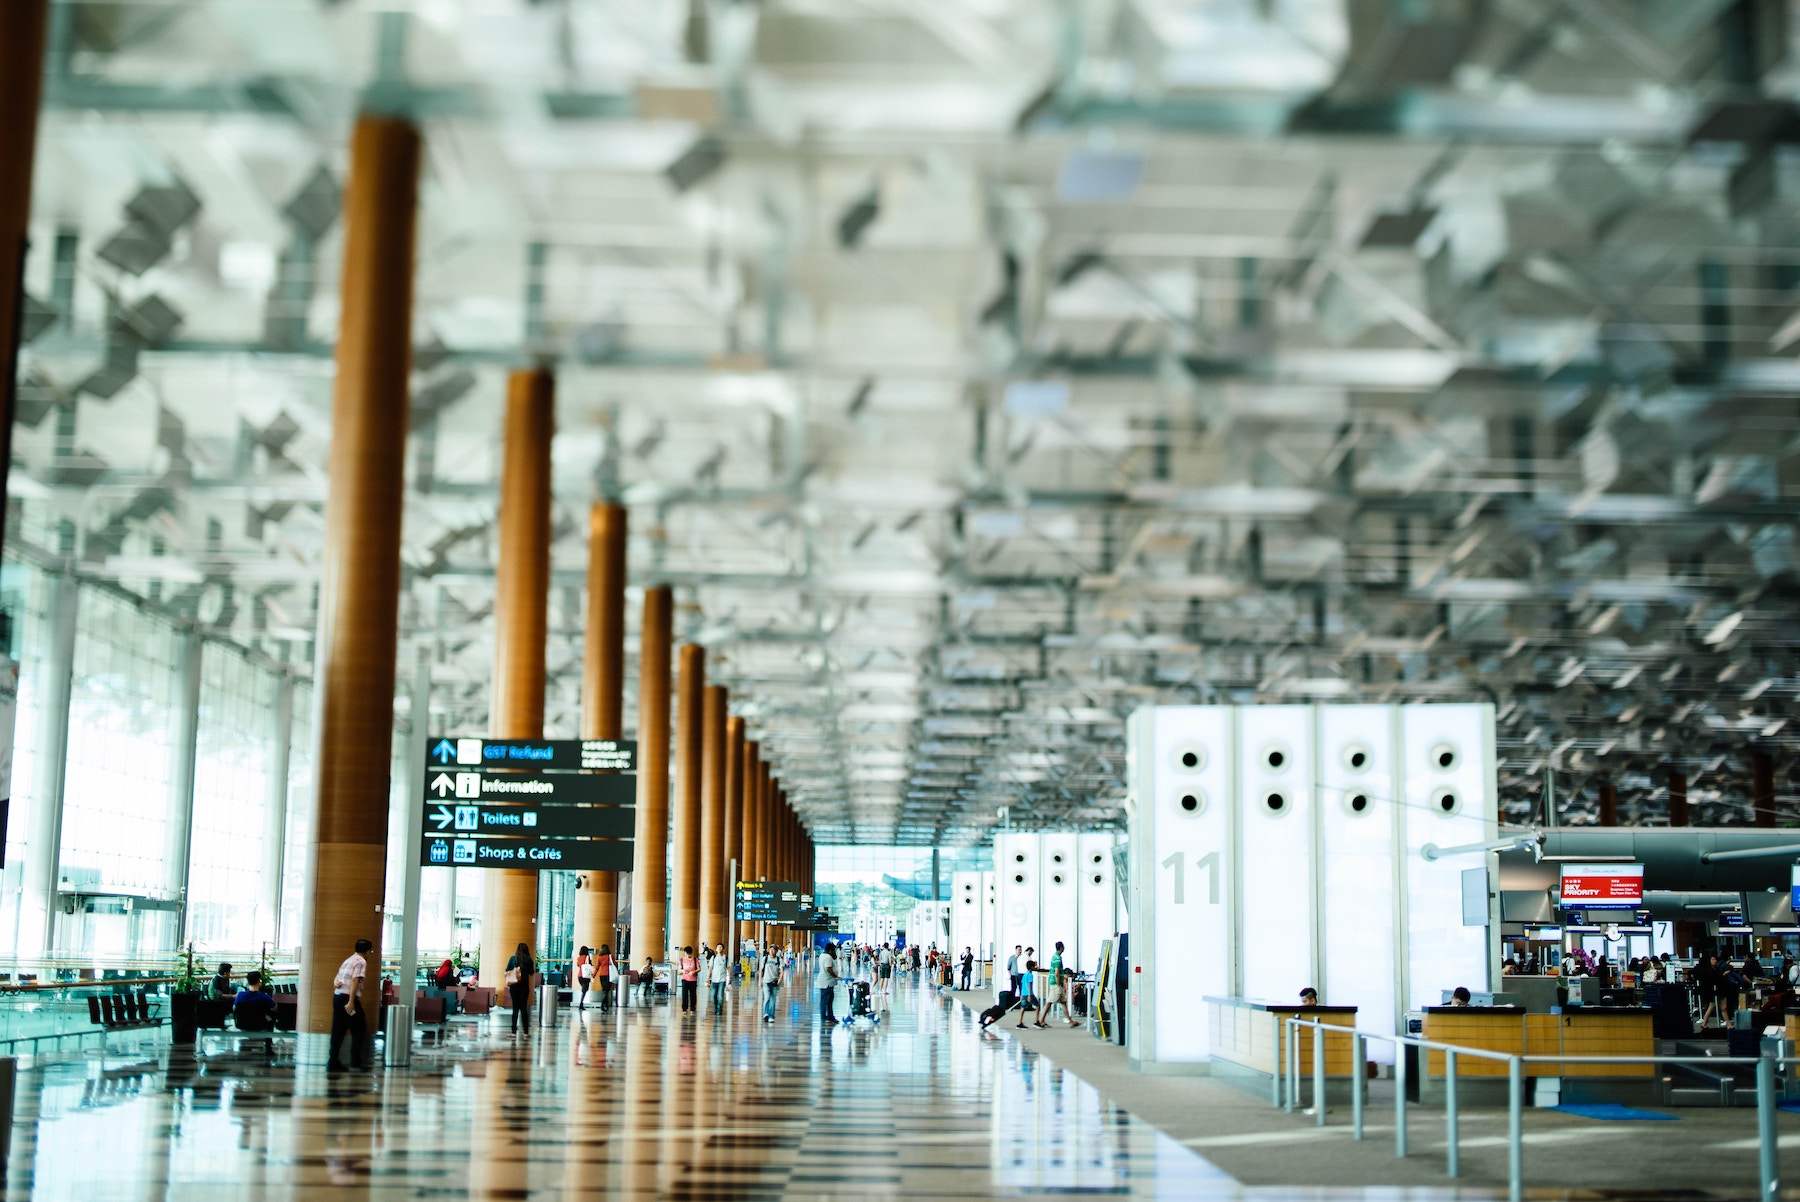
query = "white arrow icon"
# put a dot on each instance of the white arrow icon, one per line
(443, 817)
(443, 785)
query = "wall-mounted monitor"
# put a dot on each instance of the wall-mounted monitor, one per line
(1544, 934)
(1602, 886)
(1732, 918)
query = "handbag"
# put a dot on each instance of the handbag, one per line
(512, 976)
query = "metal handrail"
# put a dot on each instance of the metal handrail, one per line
(1288, 1082)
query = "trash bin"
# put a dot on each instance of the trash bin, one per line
(398, 1028)
(547, 1005)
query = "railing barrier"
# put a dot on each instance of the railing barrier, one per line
(1288, 1067)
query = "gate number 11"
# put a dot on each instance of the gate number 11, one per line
(1209, 861)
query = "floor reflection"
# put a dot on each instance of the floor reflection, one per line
(636, 1103)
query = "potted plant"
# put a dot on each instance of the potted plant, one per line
(184, 1000)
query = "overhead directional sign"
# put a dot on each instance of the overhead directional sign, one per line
(531, 821)
(482, 851)
(779, 902)
(541, 788)
(542, 755)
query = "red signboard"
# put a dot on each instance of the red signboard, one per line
(1602, 886)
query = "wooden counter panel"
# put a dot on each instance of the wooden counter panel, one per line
(1253, 1039)
(1624, 1034)
(1488, 1030)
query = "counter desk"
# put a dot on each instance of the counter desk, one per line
(1248, 1037)
(1576, 1031)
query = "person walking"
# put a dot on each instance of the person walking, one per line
(519, 971)
(884, 974)
(346, 1009)
(825, 979)
(690, 980)
(603, 973)
(1027, 992)
(718, 976)
(584, 974)
(1012, 967)
(771, 983)
(1058, 995)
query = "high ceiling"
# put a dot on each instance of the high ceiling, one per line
(981, 370)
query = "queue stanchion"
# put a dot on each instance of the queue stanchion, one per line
(1358, 1077)
(1515, 1128)
(1768, 1152)
(1453, 1156)
(1278, 1067)
(1319, 1072)
(1399, 1099)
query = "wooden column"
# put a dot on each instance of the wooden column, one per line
(772, 848)
(359, 588)
(603, 695)
(749, 777)
(649, 868)
(1678, 805)
(684, 839)
(22, 25)
(1762, 787)
(509, 897)
(713, 891)
(734, 805)
(1609, 803)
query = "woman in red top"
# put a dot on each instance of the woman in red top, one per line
(603, 972)
(584, 974)
(690, 981)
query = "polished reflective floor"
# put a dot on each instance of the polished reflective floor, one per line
(642, 1102)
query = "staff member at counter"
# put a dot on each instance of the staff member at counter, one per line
(1460, 996)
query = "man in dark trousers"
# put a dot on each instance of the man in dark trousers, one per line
(968, 967)
(346, 1009)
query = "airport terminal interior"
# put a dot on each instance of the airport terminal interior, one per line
(790, 599)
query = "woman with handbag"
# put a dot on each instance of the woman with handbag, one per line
(519, 971)
(584, 975)
(603, 972)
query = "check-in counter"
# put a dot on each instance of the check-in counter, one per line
(1249, 1038)
(1578, 1031)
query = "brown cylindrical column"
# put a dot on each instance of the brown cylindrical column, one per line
(1762, 787)
(750, 771)
(649, 868)
(603, 695)
(712, 817)
(509, 897)
(359, 593)
(734, 804)
(771, 853)
(1609, 803)
(22, 25)
(684, 837)
(1678, 810)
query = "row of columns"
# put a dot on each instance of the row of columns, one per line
(728, 809)
(727, 806)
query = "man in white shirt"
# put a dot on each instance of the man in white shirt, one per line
(346, 1009)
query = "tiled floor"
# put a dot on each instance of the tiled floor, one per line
(639, 1103)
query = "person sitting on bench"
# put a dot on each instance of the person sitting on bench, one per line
(253, 1009)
